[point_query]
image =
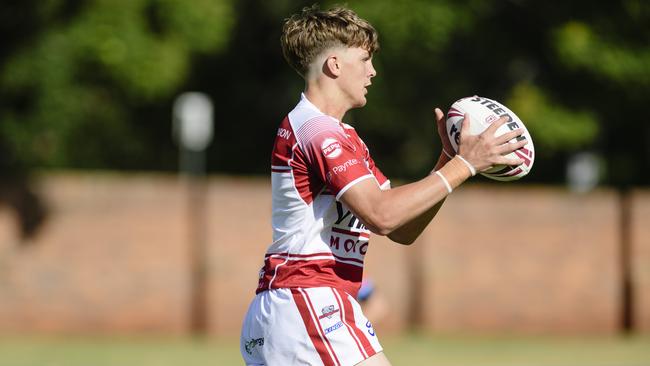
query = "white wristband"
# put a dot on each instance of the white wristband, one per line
(445, 181)
(469, 166)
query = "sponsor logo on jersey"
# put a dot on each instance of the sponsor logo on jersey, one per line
(349, 245)
(345, 219)
(370, 329)
(251, 344)
(342, 168)
(328, 311)
(348, 232)
(284, 133)
(331, 148)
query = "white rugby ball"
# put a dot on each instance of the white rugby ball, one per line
(483, 112)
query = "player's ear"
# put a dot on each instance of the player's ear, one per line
(331, 66)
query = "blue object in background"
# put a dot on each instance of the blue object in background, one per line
(367, 287)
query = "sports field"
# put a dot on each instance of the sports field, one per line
(408, 350)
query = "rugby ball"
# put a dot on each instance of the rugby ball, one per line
(483, 112)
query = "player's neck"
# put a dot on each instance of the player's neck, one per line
(327, 99)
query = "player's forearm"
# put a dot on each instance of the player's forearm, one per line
(407, 233)
(401, 205)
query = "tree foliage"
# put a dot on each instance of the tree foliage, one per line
(89, 84)
(71, 93)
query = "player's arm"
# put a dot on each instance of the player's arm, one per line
(384, 212)
(407, 233)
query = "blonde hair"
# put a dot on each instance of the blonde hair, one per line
(307, 34)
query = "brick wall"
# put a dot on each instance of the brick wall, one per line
(640, 259)
(111, 257)
(531, 260)
(114, 257)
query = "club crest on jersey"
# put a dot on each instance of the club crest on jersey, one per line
(328, 311)
(331, 148)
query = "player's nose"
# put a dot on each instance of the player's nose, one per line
(371, 71)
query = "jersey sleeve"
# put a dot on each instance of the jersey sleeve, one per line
(332, 156)
(382, 180)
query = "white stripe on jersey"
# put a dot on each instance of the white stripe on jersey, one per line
(344, 189)
(289, 257)
(275, 272)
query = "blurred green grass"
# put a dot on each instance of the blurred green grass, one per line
(412, 349)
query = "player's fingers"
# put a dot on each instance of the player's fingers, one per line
(509, 147)
(509, 161)
(509, 136)
(440, 117)
(464, 127)
(440, 120)
(442, 131)
(495, 125)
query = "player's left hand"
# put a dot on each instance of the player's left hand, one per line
(441, 121)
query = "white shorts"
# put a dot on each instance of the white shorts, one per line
(306, 326)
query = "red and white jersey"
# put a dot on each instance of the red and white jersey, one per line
(317, 241)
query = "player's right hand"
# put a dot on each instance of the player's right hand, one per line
(486, 150)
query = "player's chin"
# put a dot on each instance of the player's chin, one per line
(360, 102)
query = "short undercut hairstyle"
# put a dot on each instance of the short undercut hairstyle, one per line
(307, 34)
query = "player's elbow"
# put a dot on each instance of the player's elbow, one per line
(381, 223)
(390, 225)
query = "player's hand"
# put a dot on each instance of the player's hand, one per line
(441, 121)
(486, 150)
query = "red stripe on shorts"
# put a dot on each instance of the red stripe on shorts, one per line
(349, 316)
(313, 329)
(344, 317)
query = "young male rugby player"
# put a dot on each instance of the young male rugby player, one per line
(328, 195)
